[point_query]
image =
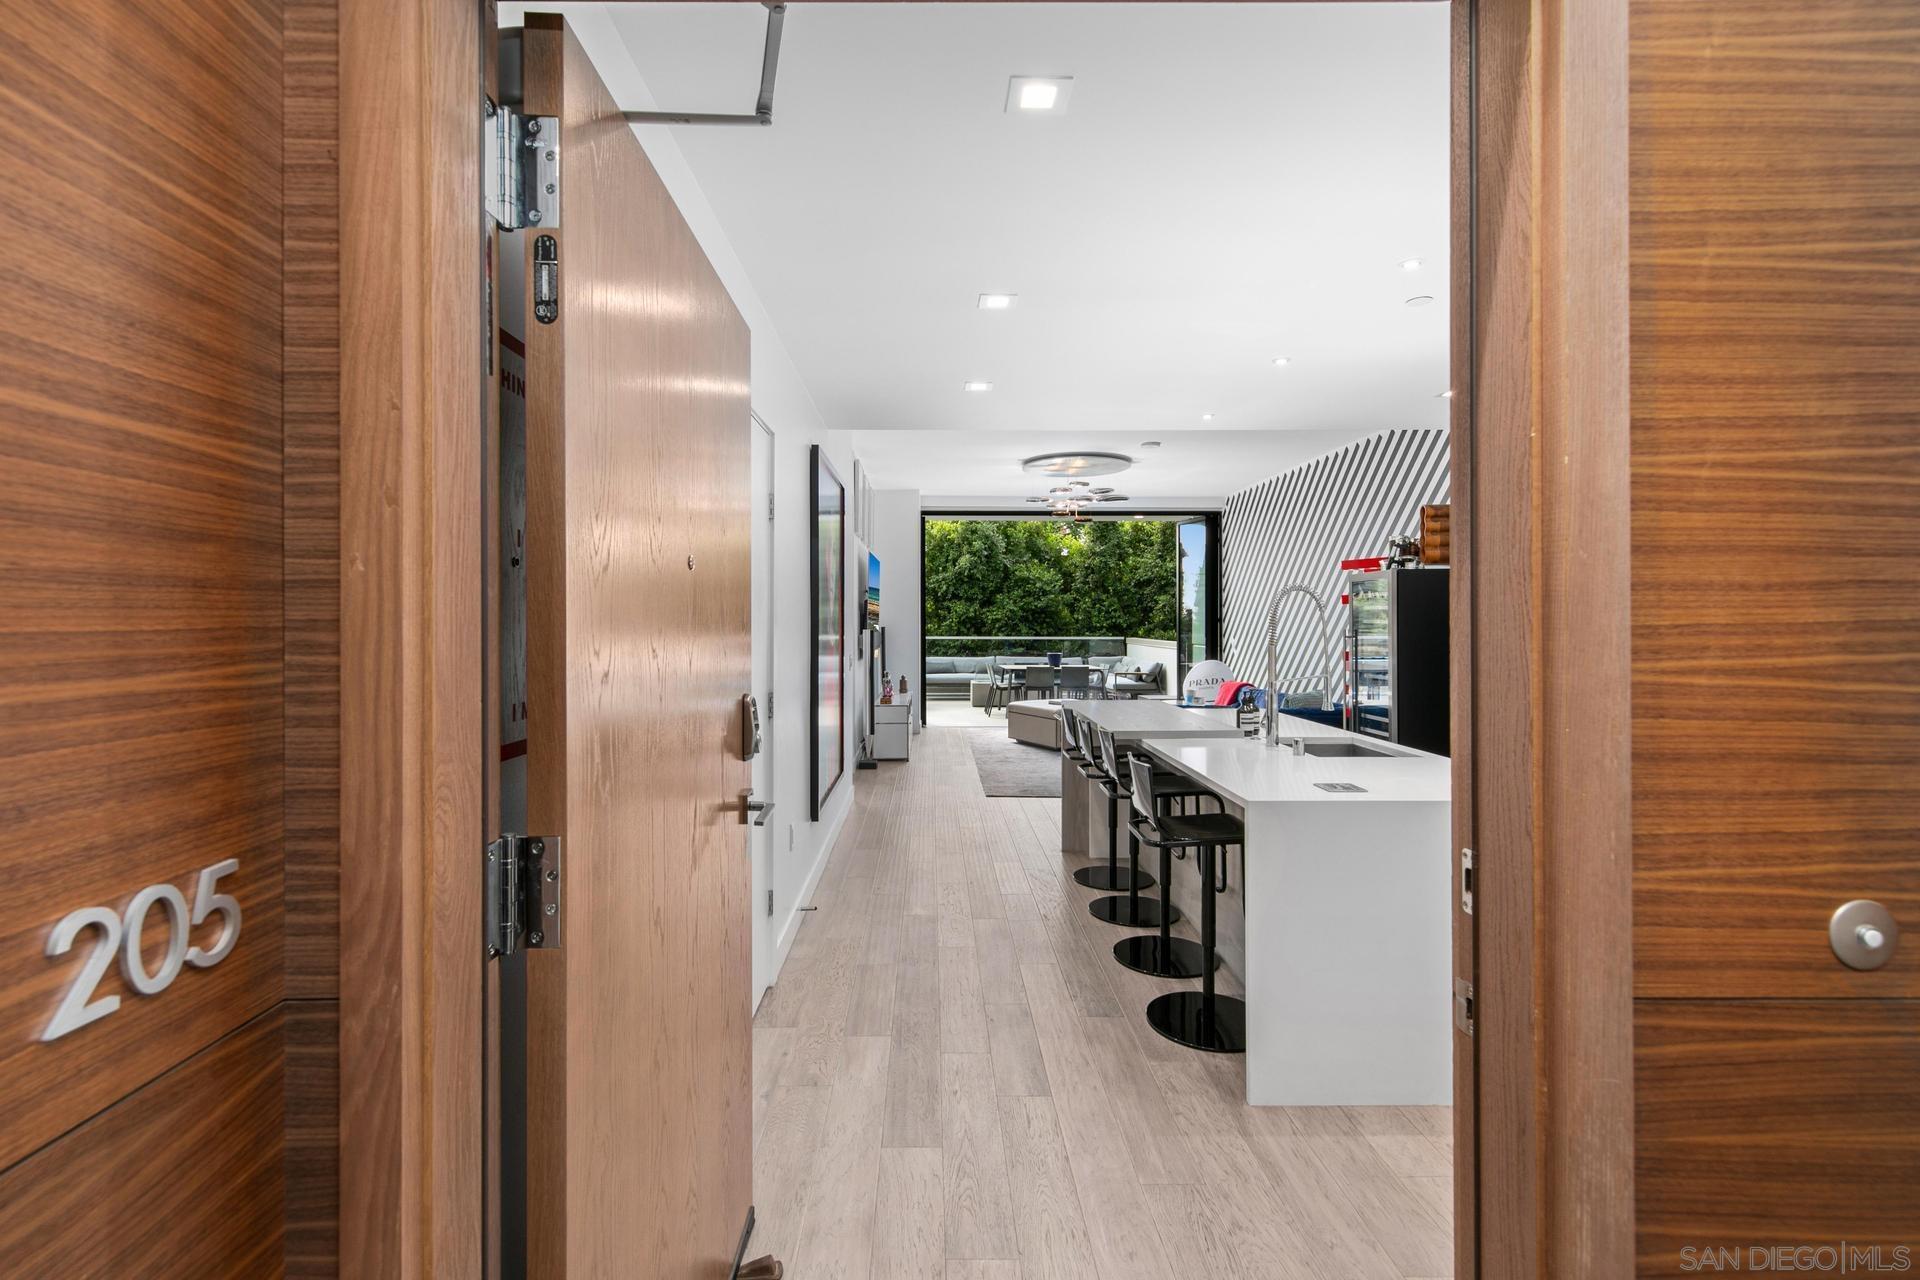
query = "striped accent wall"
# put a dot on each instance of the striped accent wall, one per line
(1299, 526)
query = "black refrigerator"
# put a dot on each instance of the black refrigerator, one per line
(1397, 658)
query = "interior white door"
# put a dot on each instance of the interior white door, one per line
(761, 836)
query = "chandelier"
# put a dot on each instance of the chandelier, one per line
(1069, 501)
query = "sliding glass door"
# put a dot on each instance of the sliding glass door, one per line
(1195, 641)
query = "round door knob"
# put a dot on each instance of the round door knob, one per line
(1863, 934)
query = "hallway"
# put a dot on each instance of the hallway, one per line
(952, 1079)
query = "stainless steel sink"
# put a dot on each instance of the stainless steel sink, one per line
(1345, 750)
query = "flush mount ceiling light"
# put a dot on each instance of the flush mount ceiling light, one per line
(1444, 395)
(996, 301)
(1412, 264)
(1281, 362)
(1076, 464)
(976, 386)
(1149, 444)
(1206, 417)
(1068, 501)
(1420, 300)
(1038, 95)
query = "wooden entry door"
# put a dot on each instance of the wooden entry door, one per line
(639, 1044)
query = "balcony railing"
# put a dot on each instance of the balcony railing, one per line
(1025, 646)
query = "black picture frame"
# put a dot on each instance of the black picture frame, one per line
(827, 538)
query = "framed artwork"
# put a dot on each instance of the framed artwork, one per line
(829, 563)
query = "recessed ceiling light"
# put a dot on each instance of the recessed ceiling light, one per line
(1149, 444)
(996, 301)
(1412, 264)
(1138, 516)
(1281, 362)
(1420, 300)
(1035, 95)
(1206, 417)
(976, 386)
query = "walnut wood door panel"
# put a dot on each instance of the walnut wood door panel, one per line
(141, 552)
(182, 1179)
(638, 646)
(1776, 490)
(1775, 192)
(1776, 1122)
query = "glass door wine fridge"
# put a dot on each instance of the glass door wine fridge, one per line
(1397, 661)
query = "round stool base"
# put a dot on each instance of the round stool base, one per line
(1112, 878)
(1180, 958)
(1185, 1018)
(1132, 913)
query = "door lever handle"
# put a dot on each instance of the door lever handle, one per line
(758, 811)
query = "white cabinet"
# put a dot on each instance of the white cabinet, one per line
(893, 728)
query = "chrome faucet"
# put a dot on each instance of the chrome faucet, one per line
(1273, 659)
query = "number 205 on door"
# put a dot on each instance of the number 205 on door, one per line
(119, 934)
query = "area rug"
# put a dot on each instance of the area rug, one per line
(1009, 768)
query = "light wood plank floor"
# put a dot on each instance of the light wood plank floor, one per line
(953, 1080)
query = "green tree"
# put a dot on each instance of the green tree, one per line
(1047, 578)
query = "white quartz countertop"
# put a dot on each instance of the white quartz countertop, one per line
(1135, 718)
(1249, 772)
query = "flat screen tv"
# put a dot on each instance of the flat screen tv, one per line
(870, 614)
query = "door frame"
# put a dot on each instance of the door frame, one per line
(1540, 440)
(760, 846)
(411, 667)
(1542, 527)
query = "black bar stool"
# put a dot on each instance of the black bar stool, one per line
(1199, 1019)
(1133, 911)
(1112, 876)
(1161, 954)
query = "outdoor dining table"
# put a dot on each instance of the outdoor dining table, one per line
(1100, 676)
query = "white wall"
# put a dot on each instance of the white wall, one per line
(783, 402)
(896, 540)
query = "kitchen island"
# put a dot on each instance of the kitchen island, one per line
(1342, 932)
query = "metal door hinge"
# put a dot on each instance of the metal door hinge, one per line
(1466, 881)
(522, 169)
(769, 506)
(523, 894)
(1463, 1005)
(769, 903)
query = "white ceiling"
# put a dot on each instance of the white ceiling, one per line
(1230, 183)
(1190, 468)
